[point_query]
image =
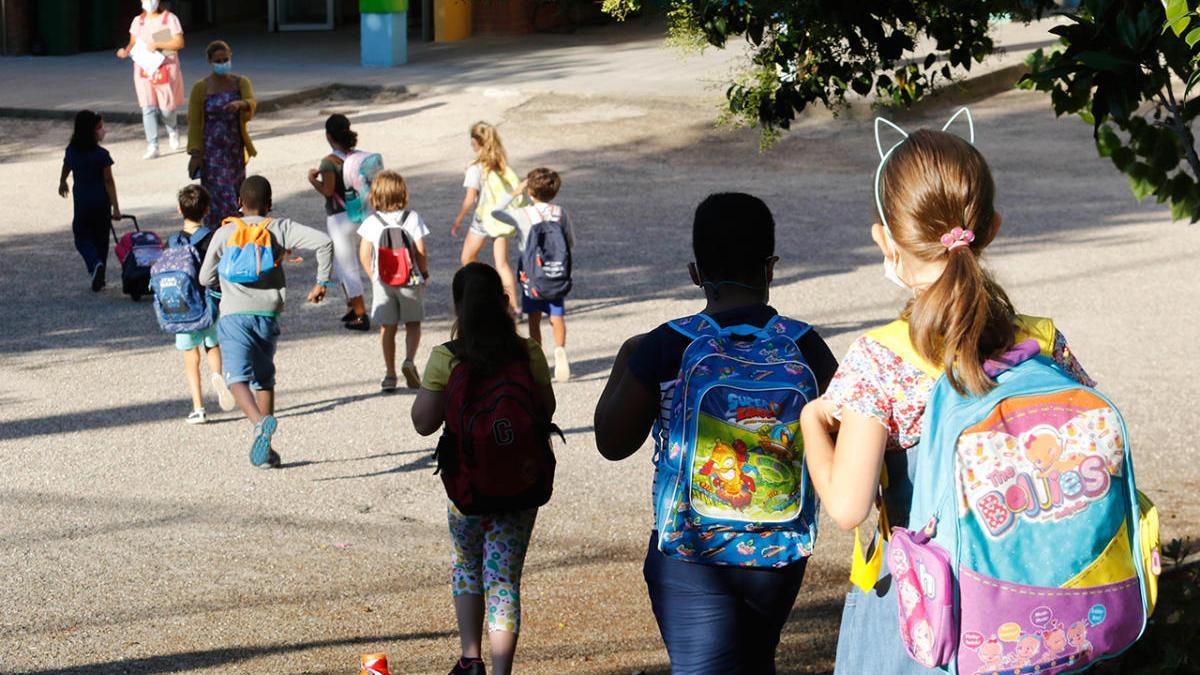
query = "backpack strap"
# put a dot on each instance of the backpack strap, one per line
(895, 337)
(199, 235)
(695, 326)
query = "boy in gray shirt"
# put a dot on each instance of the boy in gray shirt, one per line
(248, 329)
(543, 185)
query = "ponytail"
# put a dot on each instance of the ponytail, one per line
(484, 333)
(491, 150)
(933, 183)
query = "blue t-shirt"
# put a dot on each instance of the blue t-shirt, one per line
(87, 166)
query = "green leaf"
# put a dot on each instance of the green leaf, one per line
(1177, 16)
(1142, 187)
(1192, 37)
(1102, 61)
(1107, 141)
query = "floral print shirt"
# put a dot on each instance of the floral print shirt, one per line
(874, 381)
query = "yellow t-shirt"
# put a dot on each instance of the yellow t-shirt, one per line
(441, 362)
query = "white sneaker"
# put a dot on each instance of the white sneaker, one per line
(151, 152)
(562, 366)
(174, 139)
(224, 396)
(197, 417)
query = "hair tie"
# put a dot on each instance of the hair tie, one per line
(957, 238)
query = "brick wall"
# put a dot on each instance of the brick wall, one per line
(502, 17)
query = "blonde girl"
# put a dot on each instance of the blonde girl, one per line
(936, 218)
(489, 180)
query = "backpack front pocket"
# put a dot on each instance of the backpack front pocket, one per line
(924, 595)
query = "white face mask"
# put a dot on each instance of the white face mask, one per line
(150, 6)
(891, 267)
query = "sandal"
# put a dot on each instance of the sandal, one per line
(360, 323)
(389, 382)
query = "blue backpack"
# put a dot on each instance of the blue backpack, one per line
(545, 268)
(1030, 549)
(734, 487)
(180, 302)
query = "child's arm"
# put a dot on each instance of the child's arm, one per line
(63, 190)
(428, 411)
(625, 412)
(467, 205)
(110, 186)
(366, 251)
(323, 181)
(422, 258)
(293, 235)
(846, 473)
(208, 269)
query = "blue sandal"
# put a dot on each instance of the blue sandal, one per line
(260, 452)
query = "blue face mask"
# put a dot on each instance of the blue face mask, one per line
(223, 68)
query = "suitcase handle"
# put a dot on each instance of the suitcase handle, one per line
(124, 216)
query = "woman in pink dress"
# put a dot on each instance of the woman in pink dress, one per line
(159, 92)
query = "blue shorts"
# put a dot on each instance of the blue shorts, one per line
(248, 349)
(720, 620)
(542, 306)
(189, 341)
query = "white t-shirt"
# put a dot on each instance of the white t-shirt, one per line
(414, 226)
(474, 177)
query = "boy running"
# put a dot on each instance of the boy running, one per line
(249, 325)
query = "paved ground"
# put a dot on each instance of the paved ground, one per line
(133, 543)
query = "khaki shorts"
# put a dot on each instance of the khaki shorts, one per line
(391, 305)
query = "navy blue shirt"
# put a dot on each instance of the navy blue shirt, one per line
(87, 166)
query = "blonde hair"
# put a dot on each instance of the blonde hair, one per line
(491, 150)
(932, 183)
(389, 192)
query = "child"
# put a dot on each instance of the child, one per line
(248, 329)
(484, 338)
(712, 619)
(193, 204)
(486, 181)
(393, 305)
(542, 185)
(327, 180)
(95, 192)
(936, 217)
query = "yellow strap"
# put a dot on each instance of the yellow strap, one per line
(895, 337)
(865, 572)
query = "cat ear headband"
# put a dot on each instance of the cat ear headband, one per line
(957, 237)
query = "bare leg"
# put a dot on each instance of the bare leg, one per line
(191, 368)
(214, 360)
(412, 340)
(471, 247)
(387, 339)
(266, 401)
(503, 645)
(559, 324)
(500, 252)
(535, 326)
(468, 608)
(246, 400)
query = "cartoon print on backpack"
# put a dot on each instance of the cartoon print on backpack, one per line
(1047, 646)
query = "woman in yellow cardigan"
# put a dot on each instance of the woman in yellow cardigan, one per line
(219, 107)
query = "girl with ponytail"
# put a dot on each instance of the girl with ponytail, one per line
(328, 182)
(934, 197)
(489, 180)
(483, 340)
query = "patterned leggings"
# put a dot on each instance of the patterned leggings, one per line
(489, 553)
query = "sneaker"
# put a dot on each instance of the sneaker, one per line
(273, 460)
(260, 450)
(360, 322)
(224, 396)
(562, 366)
(467, 666)
(349, 316)
(198, 416)
(151, 152)
(388, 383)
(98, 278)
(411, 378)
(173, 136)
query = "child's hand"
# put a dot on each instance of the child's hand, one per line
(63, 190)
(312, 175)
(454, 229)
(122, 53)
(317, 294)
(521, 187)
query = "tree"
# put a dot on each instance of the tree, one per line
(1128, 67)
(818, 51)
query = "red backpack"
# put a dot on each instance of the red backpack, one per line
(495, 454)
(395, 257)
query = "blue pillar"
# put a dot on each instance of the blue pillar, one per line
(384, 32)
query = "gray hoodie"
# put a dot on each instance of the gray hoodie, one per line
(267, 295)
